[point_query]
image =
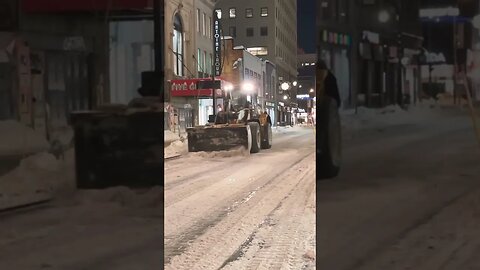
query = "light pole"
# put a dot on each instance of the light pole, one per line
(384, 17)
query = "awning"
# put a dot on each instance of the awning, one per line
(55, 6)
(188, 88)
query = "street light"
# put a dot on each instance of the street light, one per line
(285, 86)
(384, 16)
(285, 97)
(228, 87)
(476, 21)
(294, 83)
(248, 87)
(311, 90)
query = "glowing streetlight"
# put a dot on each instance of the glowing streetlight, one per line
(300, 86)
(294, 83)
(248, 87)
(285, 97)
(311, 90)
(285, 86)
(228, 87)
(383, 16)
(476, 21)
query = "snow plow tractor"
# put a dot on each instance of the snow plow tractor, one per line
(248, 128)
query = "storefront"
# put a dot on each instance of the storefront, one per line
(194, 103)
(270, 108)
(281, 113)
(335, 52)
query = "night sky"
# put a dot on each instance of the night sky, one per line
(306, 14)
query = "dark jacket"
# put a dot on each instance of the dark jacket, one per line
(331, 87)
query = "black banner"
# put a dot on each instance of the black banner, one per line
(217, 44)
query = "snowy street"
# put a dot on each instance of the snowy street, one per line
(407, 196)
(243, 211)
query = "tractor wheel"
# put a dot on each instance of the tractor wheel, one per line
(256, 137)
(267, 136)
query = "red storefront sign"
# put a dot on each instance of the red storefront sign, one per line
(83, 5)
(188, 88)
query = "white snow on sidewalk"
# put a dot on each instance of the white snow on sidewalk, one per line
(18, 139)
(39, 174)
(366, 118)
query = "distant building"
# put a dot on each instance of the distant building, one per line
(267, 29)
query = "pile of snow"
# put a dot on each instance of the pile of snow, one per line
(40, 173)
(366, 118)
(170, 137)
(176, 148)
(239, 151)
(18, 139)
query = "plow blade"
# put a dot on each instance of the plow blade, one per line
(218, 138)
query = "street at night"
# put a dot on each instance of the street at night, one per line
(239, 134)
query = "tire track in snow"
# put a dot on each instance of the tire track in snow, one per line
(193, 174)
(282, 243)
(211, 248)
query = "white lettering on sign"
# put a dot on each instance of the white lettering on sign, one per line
(217, 45)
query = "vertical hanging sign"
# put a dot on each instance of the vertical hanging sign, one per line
(217, 43)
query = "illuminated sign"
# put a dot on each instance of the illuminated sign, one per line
(303, 96)
(198, 87)
(217, 44)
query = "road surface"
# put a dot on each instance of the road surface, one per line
(219, 208)
(407, 198)
(243, 212)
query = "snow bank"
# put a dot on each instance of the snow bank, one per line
(18, 139)
(41, 173)
(176, 148)
(367, 118)
(170, 137)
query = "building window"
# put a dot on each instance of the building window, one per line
(250, 32)
(205, 64)
(264, 12)
(198, 21)
(209, 27)
(199, 63)
(204, 24)
(178, 45)
(232, 13)
(249, 13)
(233, 31)
(211, 64)
(264, 31)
